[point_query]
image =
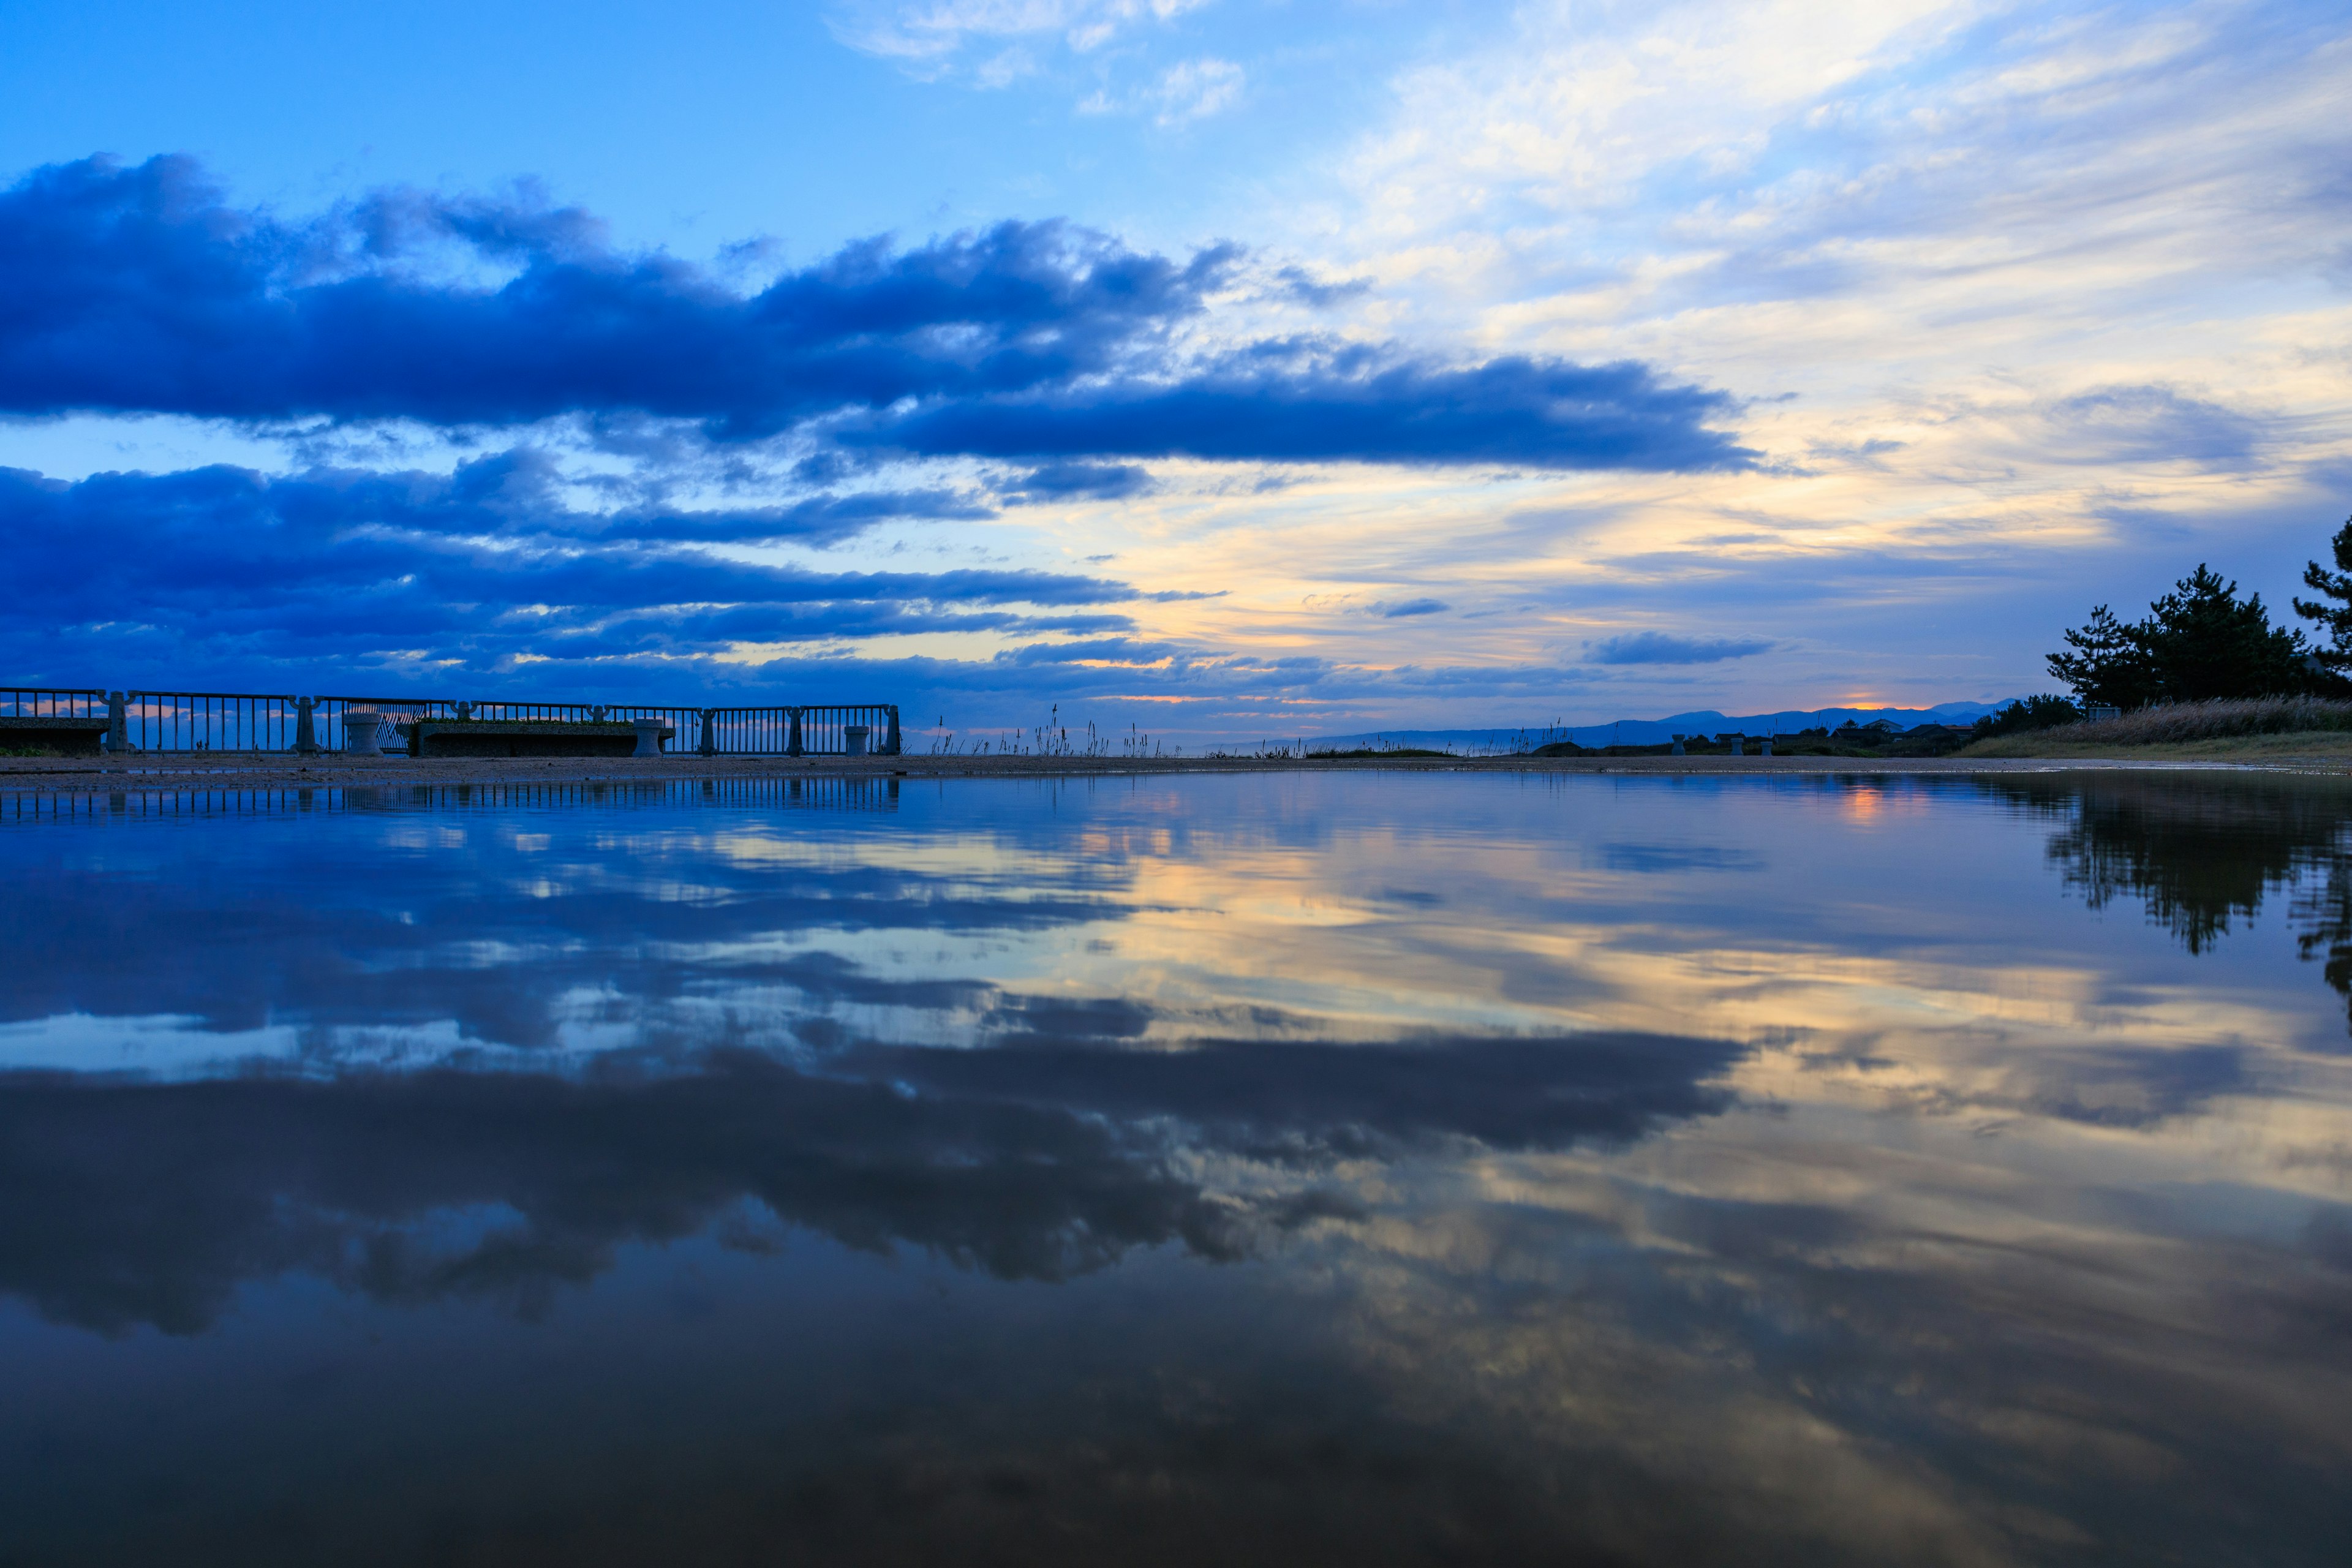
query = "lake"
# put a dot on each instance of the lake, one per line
(1294, 1167)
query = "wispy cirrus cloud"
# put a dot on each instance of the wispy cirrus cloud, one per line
(988, 37)
(1189, 90)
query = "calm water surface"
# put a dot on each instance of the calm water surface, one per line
(1299, 1168)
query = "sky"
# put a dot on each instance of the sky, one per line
(1209, 369)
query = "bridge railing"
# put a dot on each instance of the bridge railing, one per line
(686, 723)
(176, 723)
(205, 721)
(824, 730)
(747, 732)
(560, 712)
(51, 702)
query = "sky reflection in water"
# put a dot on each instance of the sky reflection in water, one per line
(1295, 1167)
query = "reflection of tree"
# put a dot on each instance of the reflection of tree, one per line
(2200, 853)
(2324, 913)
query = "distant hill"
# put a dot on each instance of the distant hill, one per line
(1651, 731)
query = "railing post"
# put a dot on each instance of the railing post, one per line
(890, 741)
(709, 746)
(118, 724)
(360, 730)
(306, 725)
(792, 746)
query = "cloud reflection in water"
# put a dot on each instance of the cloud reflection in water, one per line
(1824, 1180)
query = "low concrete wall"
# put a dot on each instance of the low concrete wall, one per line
(67, 736)
(523, 738)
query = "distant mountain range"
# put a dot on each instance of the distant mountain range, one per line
(1650, 731)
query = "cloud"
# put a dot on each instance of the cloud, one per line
(223, 565)
(138, 290)
(1196, 89)
(2150, 425)
(1298, 403)
(1659, 647)
(927, 36)
(1410, 608)
(1306, 289)
(1066, 482)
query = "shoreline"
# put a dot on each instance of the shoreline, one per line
(49, 775)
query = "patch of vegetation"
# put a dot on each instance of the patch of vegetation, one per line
(1570, 749)
(2178, 724)
(2027, 714)
(2202, 670)
(1371, 753)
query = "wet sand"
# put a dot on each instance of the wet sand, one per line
(231, 770)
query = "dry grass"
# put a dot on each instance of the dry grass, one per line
(2252, 727)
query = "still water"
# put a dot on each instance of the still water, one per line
(1294, 1168)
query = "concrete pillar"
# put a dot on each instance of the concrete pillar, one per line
(1766, 748)
(648, 738)
(792, 747)
(597, 715)
(1678, 747)
(890, 741)
(360, 728)
(709, 746)
(118, 724)
(306, 725)
(1738, 745)
(853, 738)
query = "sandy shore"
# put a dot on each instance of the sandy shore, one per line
(52, 774)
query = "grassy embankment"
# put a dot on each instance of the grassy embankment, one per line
(2255, 729)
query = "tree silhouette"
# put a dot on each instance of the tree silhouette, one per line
(2198, 643)
(2337, 618)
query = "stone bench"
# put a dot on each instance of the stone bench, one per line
(67, 736)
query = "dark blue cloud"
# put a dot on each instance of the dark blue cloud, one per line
(1350, 405)
(221, 568)
(140, 289)
(1659, 647)
(1411, 608)
(1303, 286)
(511, 497)
(1068, 482)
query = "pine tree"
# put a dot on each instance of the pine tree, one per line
(2198, 643)
(2206, 643)
(2337, 618)
(2109, 664)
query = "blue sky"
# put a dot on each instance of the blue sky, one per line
(1227, 368)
